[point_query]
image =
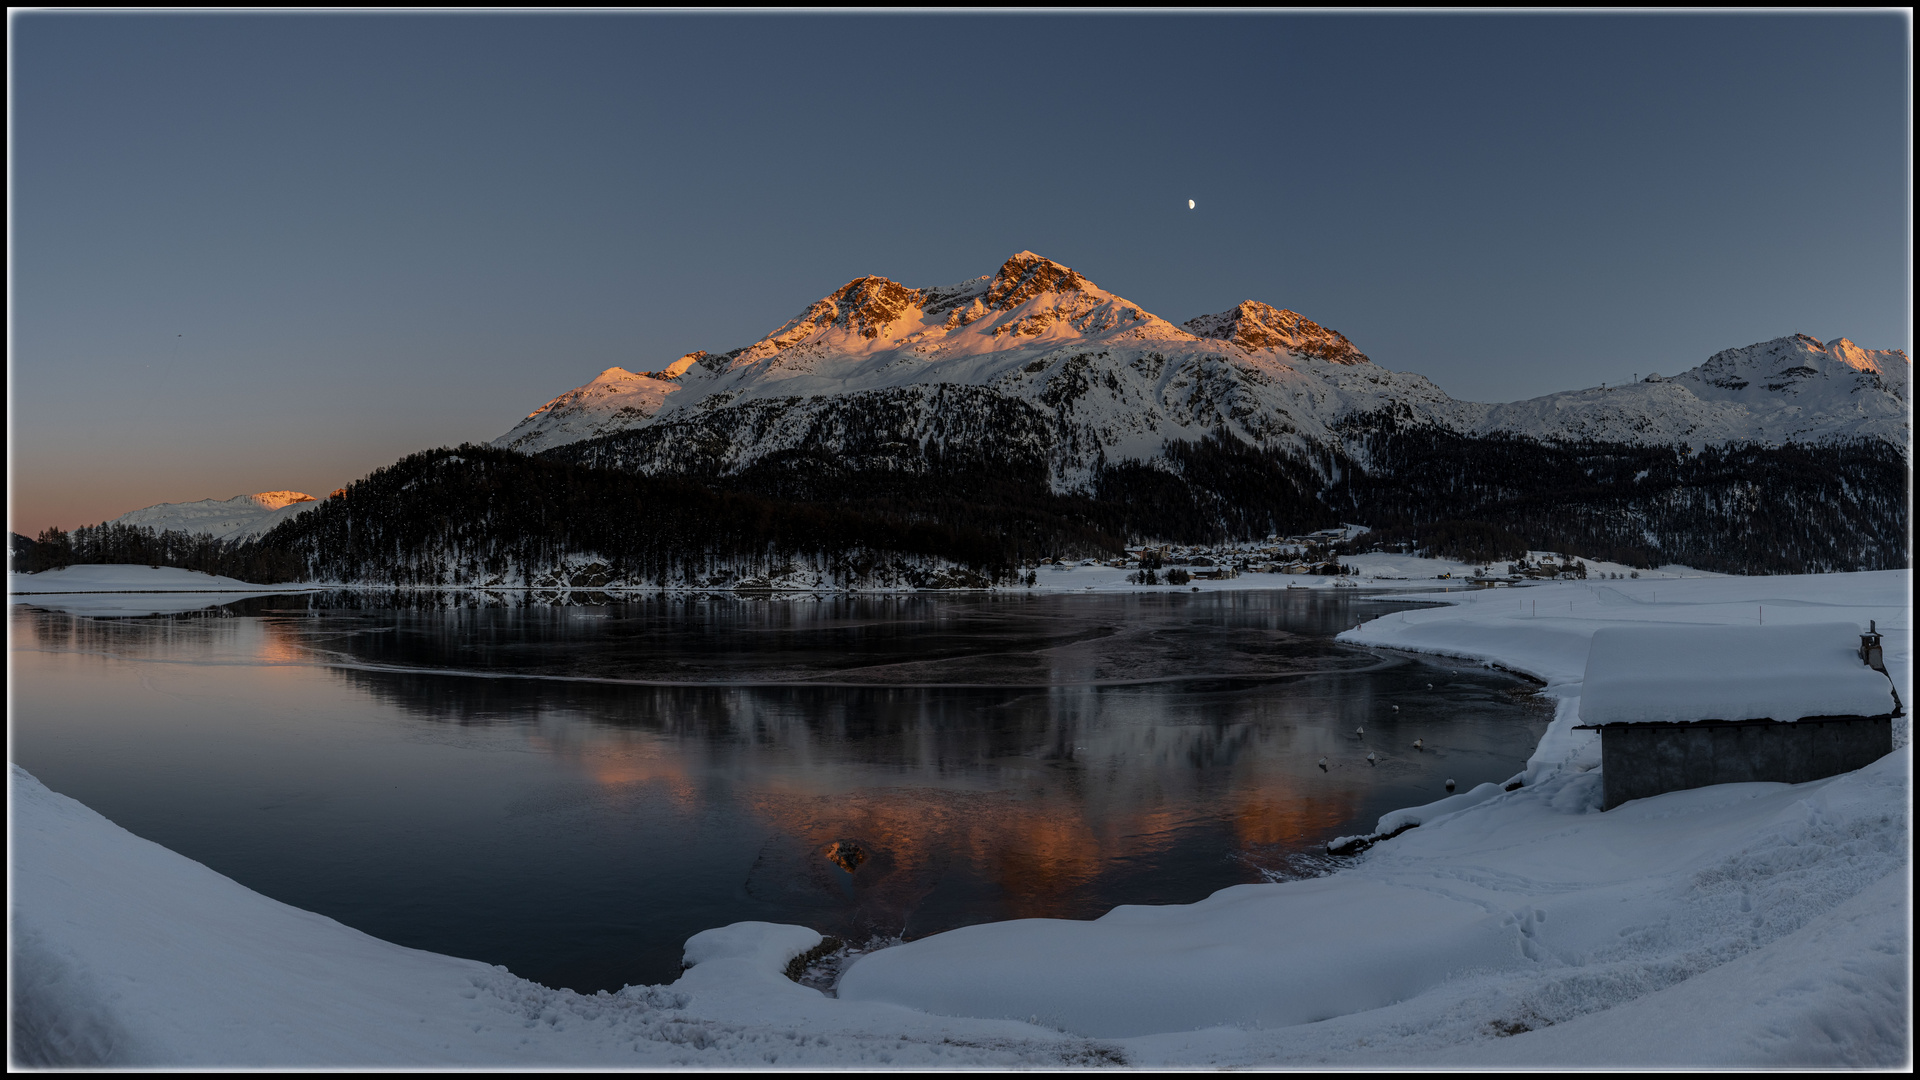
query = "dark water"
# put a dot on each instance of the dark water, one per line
(572, 791)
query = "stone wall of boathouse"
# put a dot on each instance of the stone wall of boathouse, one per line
(1639, 760)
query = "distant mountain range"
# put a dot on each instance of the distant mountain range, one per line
(1110, 382)
(931, 437)
(242, 517)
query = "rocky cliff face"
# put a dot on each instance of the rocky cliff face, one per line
(1254, 325)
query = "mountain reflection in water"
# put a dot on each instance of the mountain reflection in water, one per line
(572, 791)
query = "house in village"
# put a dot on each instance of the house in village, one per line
(1687, 706)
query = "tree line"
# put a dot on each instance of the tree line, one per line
(892, 504)
(113, 542)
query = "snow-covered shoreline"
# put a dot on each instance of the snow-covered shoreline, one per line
(125, 578)
(1374, 572)
(1739, 925)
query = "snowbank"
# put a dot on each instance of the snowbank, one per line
(1531, 911)
(127, 954)
(126, 577)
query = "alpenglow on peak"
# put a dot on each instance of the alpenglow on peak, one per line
(1254, 325)
(1108, 381)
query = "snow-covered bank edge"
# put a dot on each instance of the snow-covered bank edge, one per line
(127, 954)
(585, 576)
(124, 578)
(1507, 630)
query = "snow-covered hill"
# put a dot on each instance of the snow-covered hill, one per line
(239, 518)
(1113, 382)
(615, 400)
(1791, 389)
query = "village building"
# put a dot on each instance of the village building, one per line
(1688, 706)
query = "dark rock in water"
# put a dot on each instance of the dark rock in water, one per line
(798, 967)
(846, 854)
(1357, 844)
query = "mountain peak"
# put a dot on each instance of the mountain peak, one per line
(1797, 362)
(676, 369)
(239, 518)
(1254, 325)
(274, 500)
(1025, 276)
(865, 305)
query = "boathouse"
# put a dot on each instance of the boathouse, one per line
(1686, 706)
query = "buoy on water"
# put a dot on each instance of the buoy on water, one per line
(1370, 760)
(1417, 742)
(1323, 764)
(1449, 783)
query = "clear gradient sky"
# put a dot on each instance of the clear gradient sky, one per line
(269, 252)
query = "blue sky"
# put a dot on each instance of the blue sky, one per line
(265, 252)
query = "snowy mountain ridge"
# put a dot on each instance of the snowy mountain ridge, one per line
(1254, 325)
(1116, 382)
(1788, 390)
(242, 517)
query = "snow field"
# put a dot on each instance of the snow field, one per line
(1612, 918)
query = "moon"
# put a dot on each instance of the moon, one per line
(1189, 204)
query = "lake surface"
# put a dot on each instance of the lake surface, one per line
(572, 791)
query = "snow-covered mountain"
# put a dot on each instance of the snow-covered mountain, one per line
(1789, 390)
(239, 518)
(1111, 382)
(1114, 381)
(1254, 325)
(617, 399)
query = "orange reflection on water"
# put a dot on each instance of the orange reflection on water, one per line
(1264, 817)
(1040, 855)
(626, 762)
(280, 646)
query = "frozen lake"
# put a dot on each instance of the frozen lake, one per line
(572, 791)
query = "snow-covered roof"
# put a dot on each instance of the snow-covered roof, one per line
(1685, 673)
